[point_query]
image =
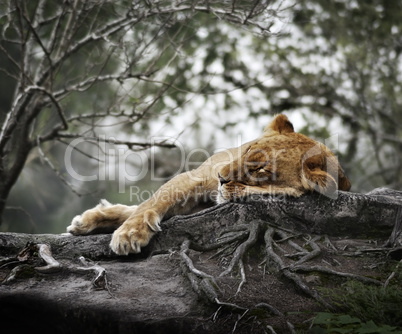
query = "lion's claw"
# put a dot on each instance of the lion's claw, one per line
(124, 242)
(135, 233)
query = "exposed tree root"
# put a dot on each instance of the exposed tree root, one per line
(287, 272)
(37, 254)
(244, 247)
(46, 254)
(287, 254)
(270, 308)
(395, 238)
(243, 276)
(32, 252)
(298, 268)
(100, 280)
(316, 251)
(205, 284)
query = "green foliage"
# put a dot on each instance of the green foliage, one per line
(378, 304)
(326, 323)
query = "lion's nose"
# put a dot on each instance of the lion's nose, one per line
(222, 180)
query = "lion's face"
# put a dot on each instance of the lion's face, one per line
(282, 162)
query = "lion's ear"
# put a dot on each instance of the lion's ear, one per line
(316, 177)
(343, 181)
(280, 124)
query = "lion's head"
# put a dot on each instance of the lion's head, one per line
(284, 162)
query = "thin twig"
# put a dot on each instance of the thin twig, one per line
(237, 321)
(230, 305)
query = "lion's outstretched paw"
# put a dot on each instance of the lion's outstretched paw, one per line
(136, 232)
(76, 227)
(81, 225)
(103, 218)
(87, 222)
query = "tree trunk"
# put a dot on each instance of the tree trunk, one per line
(236, 267)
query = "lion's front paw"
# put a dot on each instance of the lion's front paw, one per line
(135, 233)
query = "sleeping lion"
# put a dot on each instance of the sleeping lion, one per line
(281, 161)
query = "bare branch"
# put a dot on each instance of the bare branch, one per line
(15, 63)
(87, 83)
(35, 33)
(250, 14)
(67, 31)
(92, 157)
(130, 144)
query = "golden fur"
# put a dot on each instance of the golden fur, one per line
(281, 161)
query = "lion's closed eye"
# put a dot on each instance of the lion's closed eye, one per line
(264, 174)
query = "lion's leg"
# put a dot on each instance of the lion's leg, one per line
(105, 217)
(178, 196)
